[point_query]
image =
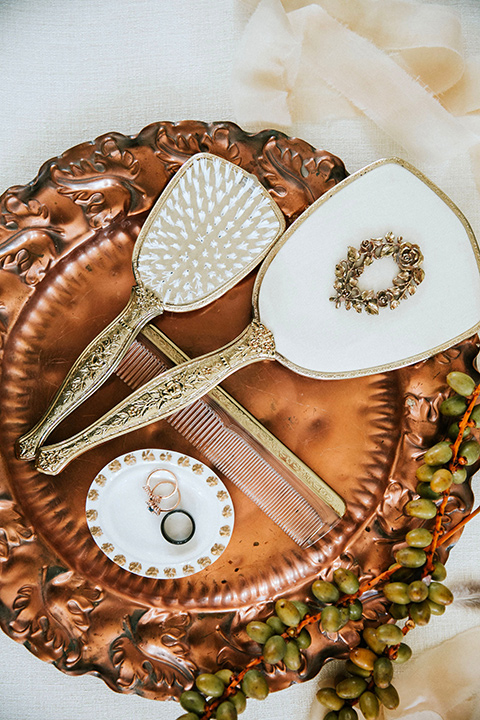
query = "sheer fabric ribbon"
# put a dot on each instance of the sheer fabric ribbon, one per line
(398, 63)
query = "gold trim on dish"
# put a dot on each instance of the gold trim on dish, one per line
(204, 561)
(217, 549)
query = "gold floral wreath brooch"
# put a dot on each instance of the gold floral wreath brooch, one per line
(408, 258)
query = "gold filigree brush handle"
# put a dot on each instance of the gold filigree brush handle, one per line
(163, 395)
(99, 359)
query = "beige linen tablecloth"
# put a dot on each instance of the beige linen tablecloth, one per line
(73, 69)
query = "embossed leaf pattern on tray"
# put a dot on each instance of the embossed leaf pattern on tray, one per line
(55, 615)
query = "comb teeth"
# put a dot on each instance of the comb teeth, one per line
(231, 454)
(139, 366)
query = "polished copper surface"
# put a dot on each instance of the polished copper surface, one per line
(65, 249)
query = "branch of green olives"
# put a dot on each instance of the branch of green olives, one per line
(412, 586)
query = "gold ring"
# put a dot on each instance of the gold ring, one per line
(163, 470)
(168, 483)
(155, 499)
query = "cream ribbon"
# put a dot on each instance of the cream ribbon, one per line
(398, 63)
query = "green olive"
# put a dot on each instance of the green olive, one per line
(420, 613)
(382, 672)
(363, 657)
(475, 416)
(259, 631)
(369, 705)
(459, 475)
(461, 383)
(411, 557)
(402, 574)
(389, 634)
(329, 698)
(454, 430)
(417, 591)
(351, 688)
(331, 619)
(276, 624)
(470, 450)
(254, 685)
(239, 700)
(421, 508)
(440, 594)
(292, 657)
(346, 581)
(355, 670)
(344, 616)
(331, 715)
(303, 639)
(453, 406)
(225, 675)
(226, 711)
(441, 480)
(404, 653)
(210, 685)
(274, 649)
(419, 537)
(398, 612)
(188, 716)
(435, 608)
(388, 696)
(370, 636)
(439, 571)
(347, 713)
(396, 592)
(302, 608)
(425, 491)
(325, 591)
(355, 610)
(192, 701)
(439, 454)
(287, 612)
(424, 473)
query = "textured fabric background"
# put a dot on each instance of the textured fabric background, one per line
(74, 69)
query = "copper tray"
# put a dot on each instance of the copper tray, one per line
(65, 246)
